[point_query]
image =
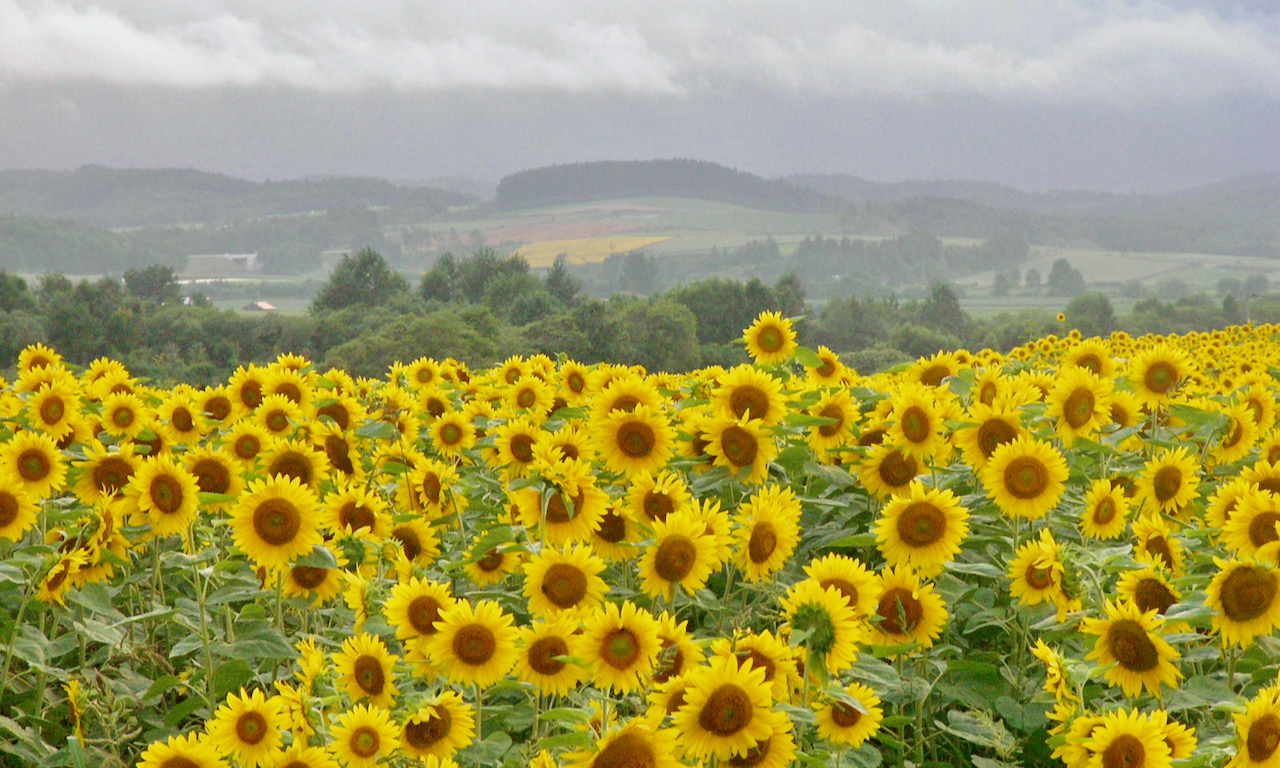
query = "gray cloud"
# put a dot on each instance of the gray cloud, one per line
(1055, 51)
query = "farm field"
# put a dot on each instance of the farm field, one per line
(1062, 555)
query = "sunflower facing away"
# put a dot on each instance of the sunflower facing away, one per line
(831, 629)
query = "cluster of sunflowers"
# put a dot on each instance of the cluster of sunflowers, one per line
(730, 566)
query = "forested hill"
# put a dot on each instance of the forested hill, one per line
(585, 182)
(113, 197)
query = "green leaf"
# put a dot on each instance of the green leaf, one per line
(207, 498)
(986, 570)
(160, 687)
(231, 677)
(378, 430)
(854, 542)
(978, 728)
(566, 715)
(259, 642)
(319, 557)
(808, 358)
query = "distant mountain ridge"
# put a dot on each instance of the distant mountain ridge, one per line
(586, 182)
(115, 197)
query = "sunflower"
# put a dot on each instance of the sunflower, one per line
(1243, 598)
(279, 415)
(351, 506)
(37, 355)
(652, 497)
(558, 581)
(1130, 739)
(248, 728)
(850, 722)
(726, 711)
(1025, 477)
(767, 533)
(573, 383)
(617, 535)
(544, 652)
(1056, 679)
(124, 415)
(829, 372)
(366, 670)
(216, 472)
(1156, 543)
(452, 433)
(931, 371)
(294, 380)
(1155, 374)
(1168, 483)
(417, 539)
(850, 578)
(1252, 525)
(682, 553)
(1079, 404)
(275, 521)
(1106, 511)
(1258, 732)
(748, 393)
(246, 388)
(32, 460)
(214, 403)
(631, 442)
(1181, 739)
(916, 423)
(246, 441)
(1093, 355)
(54, 408)
(680, 651)
(514, 442)
(1133, 642)
(620, 646)
(744, 447)
(532, 395)
(1264, 474)
(1224, 500)
(571, 441)
(910, 612)
(831, 629)
(179, 418)
(18, 511)
(1238, 438)
(342, 409)
(885, 470)
(1037, 570)
(569, 508)
(839, 406)
(439, 729)
(1263, 405)
(320, 585)
(186, 751)
(166, 493)
(922, 529)
(1149, 588)
(59, 579)
(475, 646)
(297, 459)
(637, 744)
(414, 607)
(299, 755)
(363, 735)
(490, 567)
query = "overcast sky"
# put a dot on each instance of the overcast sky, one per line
(1045, 94)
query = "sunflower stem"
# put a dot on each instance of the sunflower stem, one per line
(479, 711)
(13, 639)
(202, 587)
(1231, 654)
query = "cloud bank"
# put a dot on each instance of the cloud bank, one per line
(1057, 51)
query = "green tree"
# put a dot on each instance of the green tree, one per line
(440, 282)
(364, 279)
(942, 312)
(1064, 279)
(156, 283)
(1091, 314)
(560, 283)
(14, 294)
(661, 333)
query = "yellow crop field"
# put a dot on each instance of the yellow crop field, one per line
(583, 250)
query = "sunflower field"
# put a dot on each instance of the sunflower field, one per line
(1061, 555)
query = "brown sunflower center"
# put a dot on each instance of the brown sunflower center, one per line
(450, 434)
(1131, 646)
(921, 524)
(1166, 483)
(1124, 751)
(897, 469)
(369, 675)
(675, 558)
(753, 756)
(934, 374)
(564, 584)
(543, 652)
(212, 476)
(277, 521)
(308, 576)
(613, 527)
(182, 420)
(872, 436)
(763, 542)
(636, 439)
(673, 664)
(337, 412)
(474, 644)
(994, 433)
(112, 474)
(1152, 593)
(217, 407)
(409, 541)
(739, 446)
(900, 611)
(246, 446)
(750, 401)
(289, 390)
(8, 508)
(657, 505)
(1247, 593)
(727, 711)
(1262, 528)
(1104, 511)
(365, 742)
(1078, 408)
(166, 494)
(1264, 737)
(827, 369)
(758, 661)
(558, 510)
(423, 612)
(122, 416)
(52, 409)
(276, 421)
(178, 761)
(1158, 546)
(355, 516)
(629, 750)
(422, 733)
(831, 411)
(1039, 578)
(526, 397)
(844, 587)
(491, 561)
(1026, 477)
(34, 465)
(1090, 362)
(620, 648)
(1160, 377)
(844, 715)
(251, 728)
(251, 394)
(292, 464)
(916, 424)
(522, 448)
